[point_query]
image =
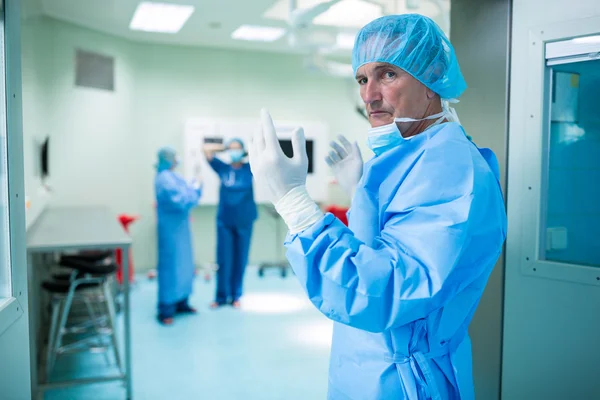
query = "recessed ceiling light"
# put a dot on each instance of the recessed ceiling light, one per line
(350, 13)
(258, 33)
(160, 17)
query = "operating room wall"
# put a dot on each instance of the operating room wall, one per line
(90, 130)
(36, 90)
(103, 144)
(551, 326)
(480, 35)
(92, 134)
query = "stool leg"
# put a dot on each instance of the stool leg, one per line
(97, 327)
(50, 355)
(111, 316)
(63, 322)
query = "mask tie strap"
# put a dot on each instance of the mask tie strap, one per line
(450, 110)
(435, 116)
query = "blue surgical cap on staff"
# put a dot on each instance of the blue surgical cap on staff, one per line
(415, 44)
(238, 140)
(166, 159)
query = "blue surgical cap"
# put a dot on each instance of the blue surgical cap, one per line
(415, 44)
(238, 140)
(166, 159)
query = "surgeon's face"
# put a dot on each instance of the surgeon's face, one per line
(389, 92)
(235, 146)
(172, 160)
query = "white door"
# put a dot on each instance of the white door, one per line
(552, 288)
(14, 327)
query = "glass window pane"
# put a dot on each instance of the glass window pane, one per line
(571, 207)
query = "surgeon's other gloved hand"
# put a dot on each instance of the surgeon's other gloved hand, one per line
(347, 164)
(283, 178)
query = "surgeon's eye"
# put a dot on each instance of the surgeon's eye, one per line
(389, 75)
(362, 81)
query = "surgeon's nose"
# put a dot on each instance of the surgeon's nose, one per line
(370, 92)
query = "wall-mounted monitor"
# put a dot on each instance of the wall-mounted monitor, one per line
(286, 146)
(44, 161)
(213, 140)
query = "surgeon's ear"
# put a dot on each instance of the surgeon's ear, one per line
(430, 94)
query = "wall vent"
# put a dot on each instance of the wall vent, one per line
(94, 70)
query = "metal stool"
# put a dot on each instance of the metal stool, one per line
(82, 304)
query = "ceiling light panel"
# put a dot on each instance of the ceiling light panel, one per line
(160, 17)
(258, 33)
(349, 14)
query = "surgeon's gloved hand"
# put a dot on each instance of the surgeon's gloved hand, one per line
(283, 178)
(347, 164)
(271, 168)
(197, 183)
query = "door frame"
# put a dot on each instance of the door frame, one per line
(16, 305)
(526, 239)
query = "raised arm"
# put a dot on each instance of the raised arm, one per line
(210, 149)
(442, 229)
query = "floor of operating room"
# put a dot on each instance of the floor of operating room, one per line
(275, 347)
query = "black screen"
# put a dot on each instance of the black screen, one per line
(211, 140)
(286, 146)
(44, 157)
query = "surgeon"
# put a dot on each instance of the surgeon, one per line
(174, 200)
(426, 225)
(235, 219)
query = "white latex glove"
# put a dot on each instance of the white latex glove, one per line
(347, 164)
(283, 178)
(197, 182)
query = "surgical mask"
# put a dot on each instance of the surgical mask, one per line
(236, 155)
(383, 138)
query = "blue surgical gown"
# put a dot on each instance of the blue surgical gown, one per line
(174, 200)
(426, 227)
